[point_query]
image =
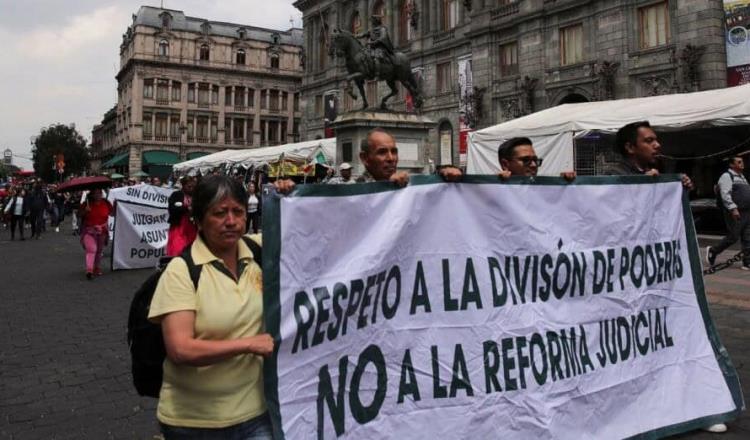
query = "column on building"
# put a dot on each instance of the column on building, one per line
(183, 111)
(289, 117)
(231, 130)
(137, 108)
(256, 117)
(222, 115)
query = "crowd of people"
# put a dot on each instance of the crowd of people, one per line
(27, 207)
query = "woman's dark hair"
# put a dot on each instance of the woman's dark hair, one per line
(213, 189)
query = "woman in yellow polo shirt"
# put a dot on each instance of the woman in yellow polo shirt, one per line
(213, 384)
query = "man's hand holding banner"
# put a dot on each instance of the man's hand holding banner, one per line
(490, 310)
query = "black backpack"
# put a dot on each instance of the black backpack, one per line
(145, 340)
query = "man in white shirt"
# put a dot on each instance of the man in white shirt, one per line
(345, 175)
(734, 194)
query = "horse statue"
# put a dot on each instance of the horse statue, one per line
(361, 65)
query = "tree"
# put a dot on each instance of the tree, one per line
(55, 140)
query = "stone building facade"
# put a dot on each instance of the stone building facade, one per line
(103, 138)
(189, 86)
(523, 55)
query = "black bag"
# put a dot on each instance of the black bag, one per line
(145, 340)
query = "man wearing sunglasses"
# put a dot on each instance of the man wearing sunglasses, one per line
(518, 158)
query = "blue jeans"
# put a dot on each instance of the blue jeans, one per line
(258, 428)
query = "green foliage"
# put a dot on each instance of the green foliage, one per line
(54, 140)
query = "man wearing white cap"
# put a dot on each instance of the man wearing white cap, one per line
(345, 175)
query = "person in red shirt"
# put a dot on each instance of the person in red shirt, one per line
(94, 233)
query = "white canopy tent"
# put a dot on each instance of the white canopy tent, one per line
(300, 151)
(553, 130)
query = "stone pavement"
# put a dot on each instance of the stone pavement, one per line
(64, 363)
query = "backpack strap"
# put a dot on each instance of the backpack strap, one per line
(255, 249)
(193, 269)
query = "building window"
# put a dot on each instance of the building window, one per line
(356, 25)
(296, 102)
(176, 90)
(203, 94)
(228, 96)
(450, 14)
(191, 92)
(379, 9)
(654, 25)
(174, 128)
(274, 60)
(284, 101)
(161, 126)
(204, 52)
(571, 45)
(239, 129)
(148, 88)
(443, 77)
(263, 99)
(319, 106)
(322, 49)
(274, 98)
(240, 58)
(163, 48)
(162, 90)
(147, 129)
(215, 95)
(404, 27)
(508, 59)
(250, 97)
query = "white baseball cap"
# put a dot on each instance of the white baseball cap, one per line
(345, 166)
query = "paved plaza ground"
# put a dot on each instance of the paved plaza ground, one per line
(64, 363)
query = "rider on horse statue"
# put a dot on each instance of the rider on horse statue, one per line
(379, 46)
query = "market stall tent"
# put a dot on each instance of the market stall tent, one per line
(317, 150)
(554, 130)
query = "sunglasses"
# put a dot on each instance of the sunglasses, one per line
(527, 160)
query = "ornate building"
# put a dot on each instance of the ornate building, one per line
(482, 62)
(189, 86)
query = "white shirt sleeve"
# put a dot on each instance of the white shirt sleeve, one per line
(725, 189)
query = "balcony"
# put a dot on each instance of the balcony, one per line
(443, 36)
(214, 140)
(504, 11)
(201, 140)
(238, 141)
(147, 136)
(162, 101)
(240, 108)
(161, 138)
(190, 139)
(203, 105)
(174, 138)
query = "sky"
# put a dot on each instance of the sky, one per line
(60, 57)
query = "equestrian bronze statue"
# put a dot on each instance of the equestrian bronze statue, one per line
(376, 61)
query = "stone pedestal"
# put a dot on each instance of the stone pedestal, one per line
(410, 131)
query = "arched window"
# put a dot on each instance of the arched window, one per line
(274, 57)
(356, 25)
(204, 52)
(240, 58)
(163, 48)
(445, 132)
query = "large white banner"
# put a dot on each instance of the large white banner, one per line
(527, 309)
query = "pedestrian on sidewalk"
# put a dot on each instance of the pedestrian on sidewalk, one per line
(38, 204)
(94, 232)
(182, 230)
(17, 210)
(734, 198)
